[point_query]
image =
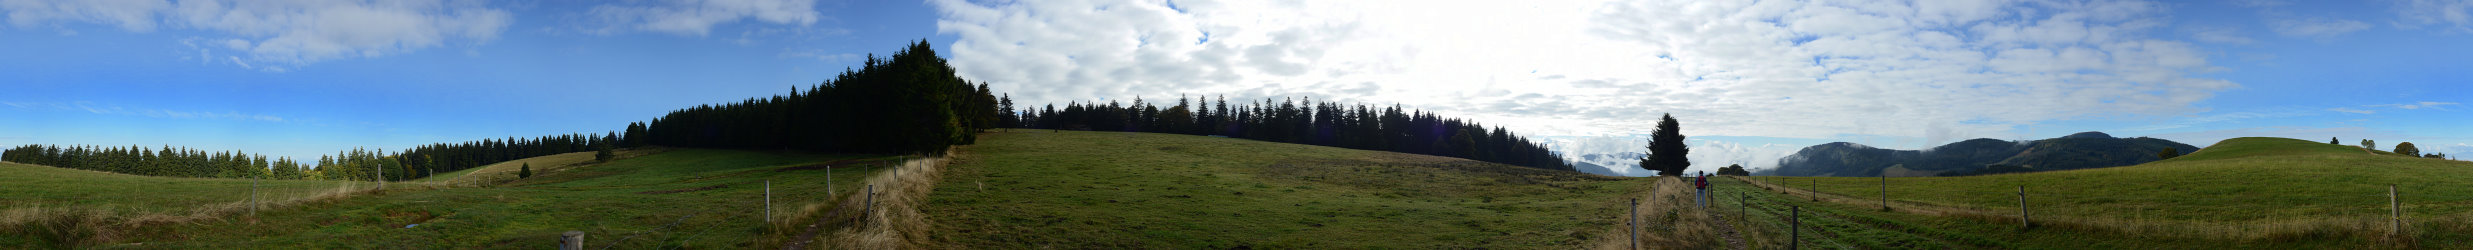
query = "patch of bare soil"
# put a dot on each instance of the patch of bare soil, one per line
(1733, 240)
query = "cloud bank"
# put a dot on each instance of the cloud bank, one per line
(1943, 70)
(697, 17)
(280, 35)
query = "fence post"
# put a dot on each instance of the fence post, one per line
(572, 240)
(2024, 222)
(253, 196)
(1884, 191)
(1743, 208)
(1815, 192)
(871, 204)
(768, 201)
(2395, 213)
(1794, 233)
(1634, 225)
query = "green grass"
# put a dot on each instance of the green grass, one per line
(681, 198)
(2274, 189)
(25, 186)
(1038, 189)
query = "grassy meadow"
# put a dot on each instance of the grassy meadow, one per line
(678, 198)
(2244, 190)
(1042, 189)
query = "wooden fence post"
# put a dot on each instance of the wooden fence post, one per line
(871, 204)
(253, 196)
(1794, 235)
(1634, 225)
(2024, 222)
(1884, 191)
(768, 201)
(572, 240)
(2395, 212)
(1815, 192)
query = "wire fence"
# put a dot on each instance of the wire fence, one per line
(2396, 206)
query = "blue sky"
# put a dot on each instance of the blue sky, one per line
(1753, 80)
(83, 82)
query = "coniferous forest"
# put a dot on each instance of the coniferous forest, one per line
(356, 164)
(909, 103)
(1319, 123)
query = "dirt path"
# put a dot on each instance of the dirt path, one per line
(894, 222)
(1733, 240)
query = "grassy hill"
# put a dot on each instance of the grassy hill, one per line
(1037, 189)
(32, 186)
(676, 198)
(2242, 189)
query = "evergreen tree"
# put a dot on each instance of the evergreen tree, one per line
(1667, 153)
(526, 172)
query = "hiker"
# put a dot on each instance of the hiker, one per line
(1701, 186)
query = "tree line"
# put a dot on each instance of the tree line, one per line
(355, 164)
(908, 103)
(1356, 126)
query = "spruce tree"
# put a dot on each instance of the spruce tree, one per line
(526, 172)
(1667, 153)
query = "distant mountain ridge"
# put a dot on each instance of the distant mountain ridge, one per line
(2075, 151)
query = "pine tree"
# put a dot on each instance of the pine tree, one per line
(526, 172)
(604, 152)
(1667, 153)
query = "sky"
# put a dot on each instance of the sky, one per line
(1749, 80)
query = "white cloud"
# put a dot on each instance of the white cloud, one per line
(106, 109)
(2352, 110)
(2316, 27)
(1794, 69)
(2417, 105)
(697, 17)
(278, 35)
(2453, 15)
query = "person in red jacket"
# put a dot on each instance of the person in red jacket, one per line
(1701, 185)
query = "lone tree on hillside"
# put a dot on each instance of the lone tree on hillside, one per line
(1667, 154)
(2407, 149)
(2168, 153)
(2332, 140)
(2366, 143)
(526, 172)
(605, 154)
(1734, 170)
